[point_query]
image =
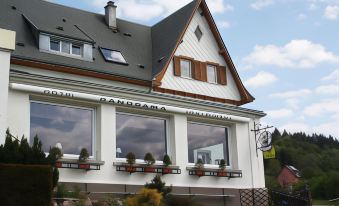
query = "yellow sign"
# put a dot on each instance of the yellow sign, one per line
(270, 154)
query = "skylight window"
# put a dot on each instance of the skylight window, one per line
(198, 33)
(113, 56)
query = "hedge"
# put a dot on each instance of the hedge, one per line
(25, 185)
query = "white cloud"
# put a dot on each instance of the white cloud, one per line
(331, 12)
(292, 94)
(329, 128)
(301, 17)
(259, 4)
(295, 54)
(218, 6)
(333, 76)
(261, 79)
(223, 24)
(332, 89)
(295, 127)
(325, 108)
(280, 113)
(312, 6)
(142, 10)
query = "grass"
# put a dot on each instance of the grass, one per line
(324, 202)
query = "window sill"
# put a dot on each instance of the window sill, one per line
(75, 164)
(144, 168)
(216, 172)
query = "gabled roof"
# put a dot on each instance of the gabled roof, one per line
(246, 97)
(167, 33)
(153, 47)
(293, 170)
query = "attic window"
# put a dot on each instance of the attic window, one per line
(113, 56)
(198, 33)
(65, 47)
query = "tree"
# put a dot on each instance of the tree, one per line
(83, 155)
(159, 185)
(167, 160)
(149, 159)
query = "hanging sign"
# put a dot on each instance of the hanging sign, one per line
(270, 154)
(124, 102)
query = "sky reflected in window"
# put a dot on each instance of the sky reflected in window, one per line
(140, 134)
(207, 142)
(72, 127)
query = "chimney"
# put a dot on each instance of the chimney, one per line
(111, 15)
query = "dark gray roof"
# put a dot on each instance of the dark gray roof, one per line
(166, 33)
(145, 46)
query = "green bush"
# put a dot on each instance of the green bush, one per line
(28, 185)
(149, 159)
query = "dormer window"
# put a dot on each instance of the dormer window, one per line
(114, 56)
(186, 69)
(65, 47)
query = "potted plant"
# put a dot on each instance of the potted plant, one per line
(149, 159)
(222, 167)
(83, 157)
(54, 154)
(167, 162)
(199, 166)
(130, 159)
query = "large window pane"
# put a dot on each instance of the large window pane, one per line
(141, 134)
(71, 127)
(209, 143)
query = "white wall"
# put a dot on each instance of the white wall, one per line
(7, 44)
(242, 150)
(204, 50)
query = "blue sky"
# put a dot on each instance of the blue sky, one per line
(286, 52)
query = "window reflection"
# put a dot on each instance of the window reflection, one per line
(141, 134)
(70, 127)
(209, 143)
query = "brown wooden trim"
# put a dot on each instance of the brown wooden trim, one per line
(77, 71)
(198, 96)
(177, 66)
(222, 75)
(212, 63)
(186, 58)
(203, 66)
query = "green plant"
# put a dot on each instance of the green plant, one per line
(222, 164)
(130, 158)
(167, 160)
(159, 185)
(149, 159)
(199, 164)
(54, 154)
(83, 157)
(149, 197)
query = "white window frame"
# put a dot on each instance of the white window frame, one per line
(229, 153)
(94, 112)
(167, 141)
(189, 68)
(215, 74)
(60, 47)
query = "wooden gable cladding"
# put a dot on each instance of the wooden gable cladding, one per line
(246, 97)
(199, 69)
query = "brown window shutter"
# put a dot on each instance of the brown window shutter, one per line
(196, 70)
(221, 72)
(203, 68)
(177, 69)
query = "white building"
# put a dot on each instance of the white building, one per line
(84, 80)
